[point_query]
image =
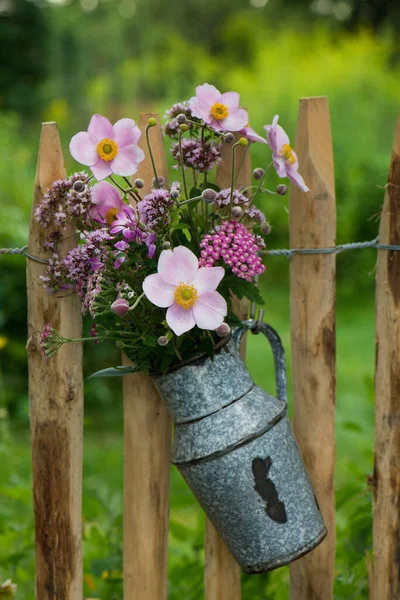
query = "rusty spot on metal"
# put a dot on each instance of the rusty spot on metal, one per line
(265, 488)
(393, 259)
(53, 528)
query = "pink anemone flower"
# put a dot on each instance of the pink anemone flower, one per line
(249, 133)
(188, 292)
(285, 158)
(108, 203)
(220, 111)
(107, 148)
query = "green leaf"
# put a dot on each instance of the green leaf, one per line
(114, 372)
(212, 186)
(194, 192)
(180, 225)
(244, 289)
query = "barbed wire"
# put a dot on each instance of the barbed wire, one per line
(288, 252)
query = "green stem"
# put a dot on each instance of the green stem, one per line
(242, 161)
(151, 156)
(134, 305)
(182, 166)
(233, 175)
(260, 185)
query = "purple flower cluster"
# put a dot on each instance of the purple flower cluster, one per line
(236, 246)
(87, 258)
(171, 127)
(54, 277)
(253, 214)
(154, 208)
(196, 155)
(62, 201)
(224, 197)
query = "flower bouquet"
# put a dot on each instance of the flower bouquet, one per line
(157, 273)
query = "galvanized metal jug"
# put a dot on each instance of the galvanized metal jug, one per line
(234, 446)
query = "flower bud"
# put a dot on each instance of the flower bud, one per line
(237, 212)
(266, 229)
(223, 330)
(79, 186)
(183, 127)
(152, 122)
(120, 307)
(181, 118)
(174, 194)
(209, 195)
(258, 173)
(162, 340)
(138, 183)
(243, 142)
(281, 189)
(120, 344)
(158, 181)
(166, 246)
(229, 138)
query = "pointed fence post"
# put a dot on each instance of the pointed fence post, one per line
(312, 298)
(386, 564)
(221, 571)
(147, 439)
(56, 406)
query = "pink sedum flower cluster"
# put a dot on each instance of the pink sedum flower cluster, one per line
(236, 247)
(187, 291)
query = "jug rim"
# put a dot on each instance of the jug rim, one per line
(217, 348)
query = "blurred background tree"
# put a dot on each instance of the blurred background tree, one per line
(64, 60)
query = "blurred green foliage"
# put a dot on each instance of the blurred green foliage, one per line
(66, 60)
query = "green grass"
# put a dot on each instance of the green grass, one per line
(103, 481)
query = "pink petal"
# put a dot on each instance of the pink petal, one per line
(178, 266)
(252, 135)
(127, 160)
(276, 135)
(280, 165)
(83, 148)
(296, 178)
(208, 278)
(230, 99)
(106, 195)
(101, 169)
(208, 94)
(158, 291)
(200, 110)
(100, 127)
(126, 132)
(236, 119)
(209, 310)
(180, 319)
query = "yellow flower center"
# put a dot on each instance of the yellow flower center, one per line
(287, 153)
(219, 111)
(186, 295)
(111, 215)
(107, 149)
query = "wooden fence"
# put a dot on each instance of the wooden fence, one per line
(56, 398)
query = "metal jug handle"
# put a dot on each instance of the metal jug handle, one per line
(277, 351)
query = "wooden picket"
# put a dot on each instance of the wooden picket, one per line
(386, 480)
(56, 407)
(312, 308)
(56, 396)
(147, 440)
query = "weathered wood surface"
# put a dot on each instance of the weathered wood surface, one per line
(56, 407)
(147, 439)
(386, 563)
(221, 571)
(312, 300)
